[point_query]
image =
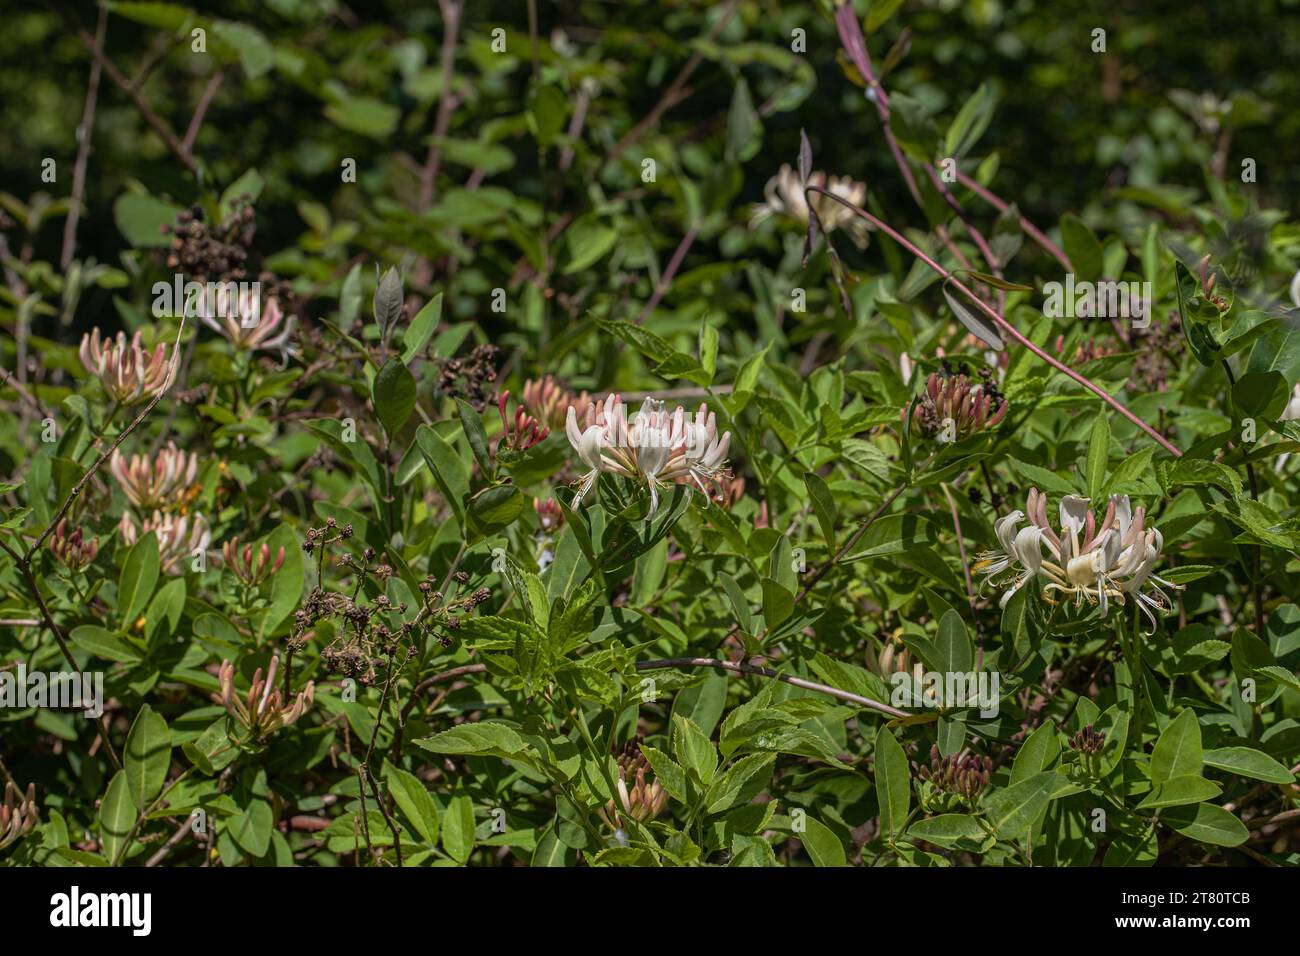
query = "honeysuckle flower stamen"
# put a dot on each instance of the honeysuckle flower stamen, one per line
(1094, 563)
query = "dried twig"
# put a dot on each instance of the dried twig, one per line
(83, 146)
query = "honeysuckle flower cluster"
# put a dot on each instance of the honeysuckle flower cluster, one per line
(129, 373)
(263, 710)
(179, 536)
(953, 780)
(250, 566)
(784, 196)
(18, 814)
(166, 481)
(955, 407)
(655, 447)
(548, 401)
(1090, 561)
(1088, 741)
(239, 314)
(521, 431)
(71, 547)
(637, 798)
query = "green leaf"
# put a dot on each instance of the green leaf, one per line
(117, 814)
(738, 603)
(136, 582)
(1208, 824)
(585, 243)
(475, 434)
(879, 12)
(486, 738)
(1248, 762)
(387, 301)
(247, 186)
(1261, 395)
(415, 803)
(102, 643)
(252, 828)
(740, 782)
(287, 583)
(978, 325)
(778, 603)
(1178, 751)
(694, 750)
(449, 469)
(1176, 791)
(350, 298)
(140, 218)
(951, 831)
(1082, 248)
(1098, 454)
(823, 506)
(493, 509)
(1278, 349)
(823, 846)
(364, 115)
(146, 757)
(1038, 750)
(394, 396)
(1012, 811)
(668, 772)
(547, 109)
(953, 651)
(458, 828)
(893, 784)
(971, 122)
(421, 328)
(708, 349)
(744, 129)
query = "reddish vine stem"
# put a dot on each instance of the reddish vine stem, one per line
(1001, 322)
(1032, 231)
(855, 45)
(666, 280)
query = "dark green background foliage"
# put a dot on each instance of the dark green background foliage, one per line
(476, 676)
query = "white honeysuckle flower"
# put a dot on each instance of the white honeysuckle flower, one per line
(247, 323)
(1295, 289)
(784, 196)
(655, 447)
(1100, 564)
(179, 536)
(129, 372)
(586, 443)
(160, 482)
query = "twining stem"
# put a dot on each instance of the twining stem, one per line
(47, 619)
(745, 667)
(1002, 324)
(856, 47)
(1032, 231)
